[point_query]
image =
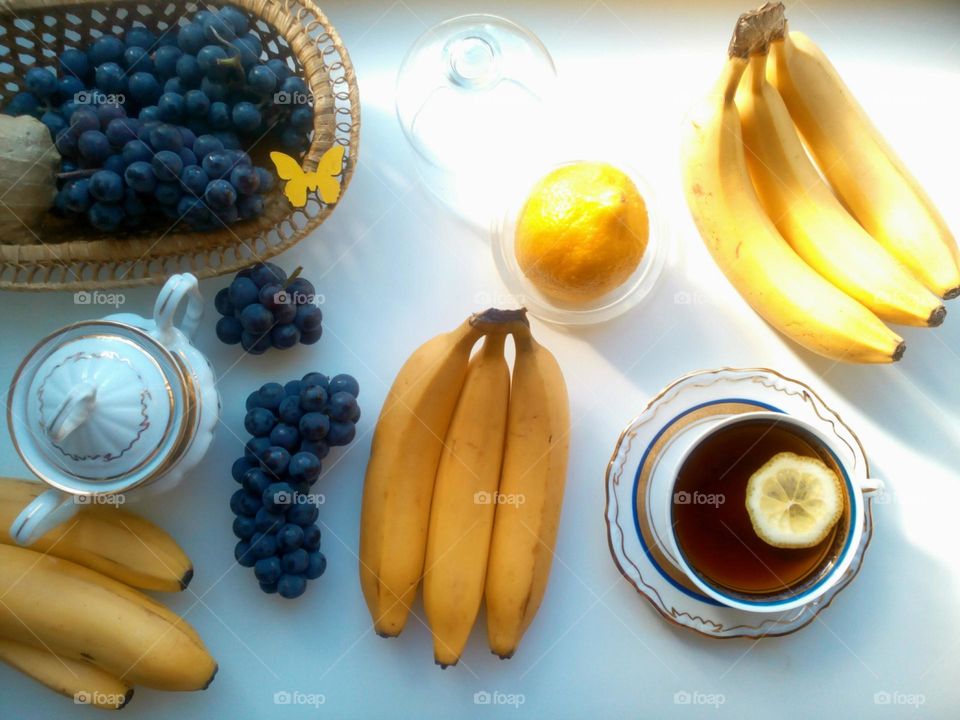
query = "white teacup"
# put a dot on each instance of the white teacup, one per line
(662, 498)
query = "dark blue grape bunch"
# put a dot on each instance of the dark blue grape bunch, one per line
(158, 127)
(263, 308)
(292, 429)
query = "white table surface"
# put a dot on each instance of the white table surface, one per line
(396, 269)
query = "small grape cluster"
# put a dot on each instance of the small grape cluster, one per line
(153, 126)
(261, 309)
(293, 427)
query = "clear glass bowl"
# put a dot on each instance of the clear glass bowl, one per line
(625, 297)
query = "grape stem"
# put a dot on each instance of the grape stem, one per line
(85, 172)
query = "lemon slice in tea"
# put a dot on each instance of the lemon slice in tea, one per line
(794, 501)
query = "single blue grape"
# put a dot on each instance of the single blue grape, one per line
(254, 344)
(243, 291)
(115, 163)
(255, 318)
(313, 398)
(295, 87)
(316, 565)
(255, 481)
(211, 59)
(284, 336)
(255, 447)
(301, 118)
(137, 59)
(240, 467)
(314, 425)
(195, 180)
(289, 537)
(249, 49)
(108, 112)
(167, 166)
(217, 29)
(318, 448)
(271, 394)
(188, 136)
(54, 122)
(266, 180)
(187, 157)
(267, 570)
(344, 383)
(262, 80)
(245, 179)
(137, 150)
(228, 329)
(229, 139)
(165, 61)
(292, 139)
(41, 82)
(342, 407)
(111, 78)
(285, 436)
(219, 116)
(206, 144)
(188, 70)
(149, 114)
(74, 62)
(243, 527)
(246, 117)
(289, 410)
(304, 467)
(68, 86)
(263, 545)
(304, 515)
(341, 433)
(196, 103)
(218, 165)
(106, 185)
(66, 142)
(295, 561)
(259, 421)
(309, 318)
(267, 273)
(291, 586)
(107, 49)
(166, 137)
(238, 19)
(279, 68)
(77, 195)
(83, 120)
(171, 107)
(120, 131)
(105, 216)
(139, 176)
(276, 459)
(190, 38)
(243, 555)
(139, 37)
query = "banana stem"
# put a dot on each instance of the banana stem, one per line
(755, 29)
(494, 320)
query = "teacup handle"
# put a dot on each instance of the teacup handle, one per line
(45, 512)
(871, 486)
(171, 296)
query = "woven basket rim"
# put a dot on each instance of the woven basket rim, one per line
(94, 264)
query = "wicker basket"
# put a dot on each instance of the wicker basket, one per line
(74, 256)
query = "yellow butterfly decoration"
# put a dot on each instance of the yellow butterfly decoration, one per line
(324, 179)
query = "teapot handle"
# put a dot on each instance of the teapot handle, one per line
(168, 301)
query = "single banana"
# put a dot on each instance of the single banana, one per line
(861, 166)
(84, 615)
(464, 496)
(812, 220)
(85, 683)
(770, 276)
(111, 541)
(404, 456)
(530, 496)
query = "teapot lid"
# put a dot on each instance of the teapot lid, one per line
(100, 407)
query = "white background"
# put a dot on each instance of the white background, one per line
(396, 269)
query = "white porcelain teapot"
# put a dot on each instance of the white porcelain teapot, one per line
(102, 407)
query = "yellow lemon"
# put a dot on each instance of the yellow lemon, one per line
(582, 232)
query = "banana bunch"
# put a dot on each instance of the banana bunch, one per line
(465, 485)
(826, 262)
(70, 618)
(111, 541)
